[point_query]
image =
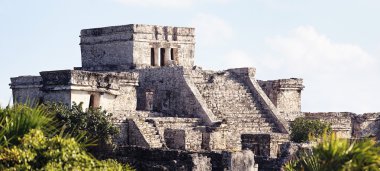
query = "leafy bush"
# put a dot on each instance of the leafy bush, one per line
(92, 127)
(37, 152)
(94, 122)
(333, 153)
(17, 120)
(303, 129)
(31, 138)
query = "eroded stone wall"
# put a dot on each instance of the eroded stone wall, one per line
(136, 46)
(341, 122)
(284, 93)
(367, 125)
(350, 125)
(178, 160)
(26, 89)
(171, 95)
(113, 91)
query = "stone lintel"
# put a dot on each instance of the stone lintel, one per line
(109, 80)
(81, 88)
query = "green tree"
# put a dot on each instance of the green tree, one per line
(93, 126)
(302, 130)
(37, 152)
(96, 123)
(31, 138)
(333, 153)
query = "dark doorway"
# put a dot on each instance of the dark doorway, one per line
(162, 56)
(94, 101)
(172, 54)
(152, 57)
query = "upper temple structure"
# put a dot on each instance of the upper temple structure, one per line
(173, 114)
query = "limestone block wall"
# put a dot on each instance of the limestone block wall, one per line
(121, 139)
(135, 46)
(26, 88)
(367, 125)
(179, 133)
(341, 122)
(100, 57)
(193, 140)
(111, 91)
(163, 123)
(168, 159)
(264, 145)
(218, 139)
(126, 101)
(175, 139)
(134, 136)
(284, 93)
(165, 88)
(350, 125)
(243, 161)
(59, 96)
(183, 139)
(230, 97)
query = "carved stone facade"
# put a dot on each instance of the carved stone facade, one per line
(136, 46)
(165, 106)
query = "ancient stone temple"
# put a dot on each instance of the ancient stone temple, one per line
(173, 115)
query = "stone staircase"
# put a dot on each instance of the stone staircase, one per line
(150, 133)
(229, 99)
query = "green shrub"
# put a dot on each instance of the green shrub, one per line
(92, 127)
(37, 152)
(333, 153)
(303, 129)
(33, 138)
(95, 123)
(17, 120)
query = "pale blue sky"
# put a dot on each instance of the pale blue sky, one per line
(333, 45)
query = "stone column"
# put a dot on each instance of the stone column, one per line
(167, 56)
(156, 57)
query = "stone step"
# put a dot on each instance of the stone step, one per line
(232, 100)
(150, 133)
(235, 102)
(248, 121)
(239, 113)
(253, 129)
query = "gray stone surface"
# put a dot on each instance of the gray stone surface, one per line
(134, 46)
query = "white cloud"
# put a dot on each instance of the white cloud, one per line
(168, 3)
(237, 58)
(338, 76)
(211, 30)
(313, 51)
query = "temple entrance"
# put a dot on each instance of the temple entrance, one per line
(94, 101)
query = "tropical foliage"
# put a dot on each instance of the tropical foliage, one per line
(90, 126)
(302, 130)
(333, 153)
(17, 120)
(94, 122)
(35, 138)
(37, 152)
